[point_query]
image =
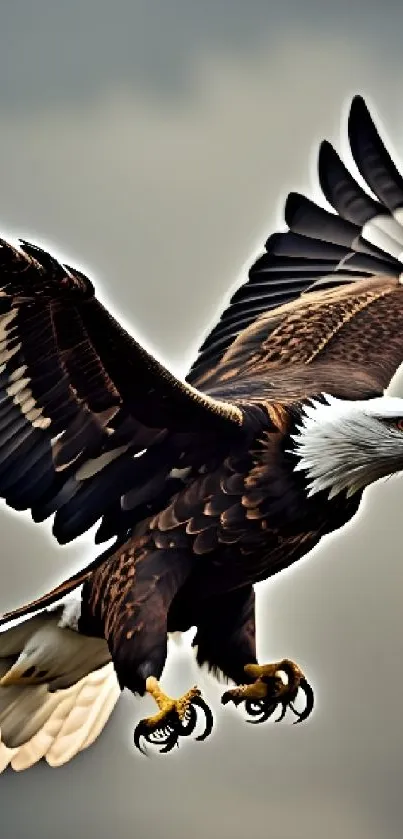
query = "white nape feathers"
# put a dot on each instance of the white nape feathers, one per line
(58, 689)
(345, 446)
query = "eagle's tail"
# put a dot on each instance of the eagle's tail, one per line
(57, 691)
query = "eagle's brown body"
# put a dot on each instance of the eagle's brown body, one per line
(213, 504)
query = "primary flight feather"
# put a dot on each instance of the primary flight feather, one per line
(207, 486)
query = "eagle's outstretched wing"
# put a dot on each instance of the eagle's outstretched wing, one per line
(79, 398)
(325, 292)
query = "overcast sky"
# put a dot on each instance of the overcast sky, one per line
(153, 142)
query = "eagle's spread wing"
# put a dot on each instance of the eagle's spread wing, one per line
(328, 289)
(79, 398)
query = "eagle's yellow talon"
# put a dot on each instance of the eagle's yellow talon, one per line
(175, 718)
(262, 696)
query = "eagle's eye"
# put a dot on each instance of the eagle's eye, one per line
(399, 424)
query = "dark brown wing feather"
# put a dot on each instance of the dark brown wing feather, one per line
(79, 398)
(325, 292)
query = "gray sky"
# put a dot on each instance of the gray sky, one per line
(154, 143)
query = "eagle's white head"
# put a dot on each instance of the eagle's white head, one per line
(345, 446)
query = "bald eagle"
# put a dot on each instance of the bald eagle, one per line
(203, 487)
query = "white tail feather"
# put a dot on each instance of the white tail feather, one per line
(74, 695)
(97, 697)
(77, 716)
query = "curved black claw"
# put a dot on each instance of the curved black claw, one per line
(310, 702)
(166, 735)
(173, 726)
(260, 709)
(200, 703)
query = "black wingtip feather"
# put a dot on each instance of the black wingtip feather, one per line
(358, 101)
(307, 218)
(342, 191)
(373, 161)
(294, 206)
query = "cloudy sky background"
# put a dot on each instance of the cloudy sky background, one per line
(153, 142)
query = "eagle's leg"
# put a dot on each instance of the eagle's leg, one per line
(146, 580)
(226, 642)
(175, 718)
(268, 690)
